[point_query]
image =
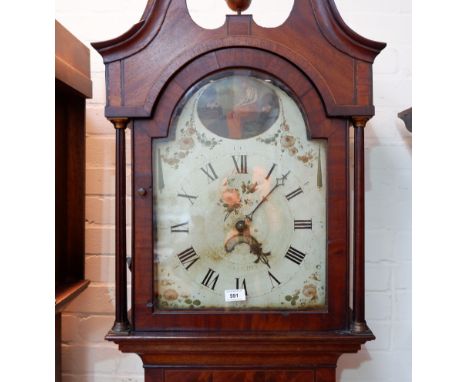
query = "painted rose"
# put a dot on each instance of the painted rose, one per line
(171, 161)
(186, 143)
(249, 187)
(310, 291)
(287, 141)
(292, 151)
(170, 294)
(305, 158)
(231, 199)
(191, 131)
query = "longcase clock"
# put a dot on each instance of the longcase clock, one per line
(241, 255)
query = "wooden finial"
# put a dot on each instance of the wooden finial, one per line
(238, 5)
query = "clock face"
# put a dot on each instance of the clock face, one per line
(239, 200)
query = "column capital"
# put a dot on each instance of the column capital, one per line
(360, 121)
(120, 122)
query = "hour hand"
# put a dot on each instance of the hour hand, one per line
(257, 250)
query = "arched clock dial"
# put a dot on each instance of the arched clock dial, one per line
(238, 200)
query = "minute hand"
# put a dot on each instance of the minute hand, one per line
(279, 182)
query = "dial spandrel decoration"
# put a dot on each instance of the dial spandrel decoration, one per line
(239, 200)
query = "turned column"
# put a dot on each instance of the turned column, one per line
(121, 324)
(359, 323)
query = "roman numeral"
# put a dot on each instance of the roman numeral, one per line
(209, 281)
(244, 285)
(302, 224)
(294, 193)
(242, 169)
(295, 255)
(210, 172)
(190, 198)
(188, 258)
(270, 172)
(182, 227)
(273, 280)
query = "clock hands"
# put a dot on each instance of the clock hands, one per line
(279, 182)
(244, 237)
(255, 247)
(242, 226)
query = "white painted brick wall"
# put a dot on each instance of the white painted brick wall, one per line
(87, 357)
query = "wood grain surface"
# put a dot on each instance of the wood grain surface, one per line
(328, 68)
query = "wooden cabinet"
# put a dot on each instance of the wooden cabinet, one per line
(72, 87)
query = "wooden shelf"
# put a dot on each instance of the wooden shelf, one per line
(66, 293)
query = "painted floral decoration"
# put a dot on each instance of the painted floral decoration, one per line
(231, 199)
(288, 143)
(310, 291)
(189, 137)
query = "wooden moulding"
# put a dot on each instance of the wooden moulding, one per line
(72, 61)
(244, 350)
(312, 37)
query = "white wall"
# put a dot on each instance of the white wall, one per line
(87, 357)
